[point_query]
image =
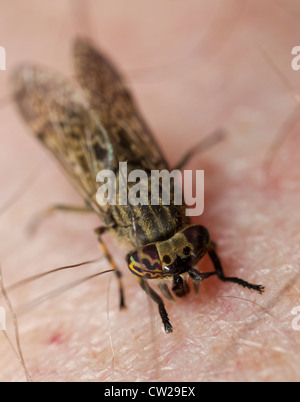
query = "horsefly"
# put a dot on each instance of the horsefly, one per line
(92, 125)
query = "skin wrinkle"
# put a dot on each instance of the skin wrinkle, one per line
(224, 82)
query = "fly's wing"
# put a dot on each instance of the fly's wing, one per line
(107, 94)
(58, 114)
(90, 127)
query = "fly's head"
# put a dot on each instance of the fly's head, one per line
(172, 258)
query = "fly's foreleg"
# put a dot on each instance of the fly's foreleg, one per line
(161, 307)
(221, 275)
(99, 232)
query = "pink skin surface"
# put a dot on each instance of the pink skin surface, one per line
(194, 67)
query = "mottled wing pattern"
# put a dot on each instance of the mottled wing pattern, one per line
(58, 114)
(87, 127)
(108, 95)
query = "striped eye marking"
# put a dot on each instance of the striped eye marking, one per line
(150, 266)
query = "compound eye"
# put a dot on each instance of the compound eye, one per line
(198, 237)
(146, 263)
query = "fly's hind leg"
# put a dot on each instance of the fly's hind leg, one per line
(161, 307)
(38, 219)
(221, 275)
(99, 232)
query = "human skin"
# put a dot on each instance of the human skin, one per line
(194, 67)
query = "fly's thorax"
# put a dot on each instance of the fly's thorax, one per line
(151, 224)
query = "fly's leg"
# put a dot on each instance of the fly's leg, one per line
(38, 219)
(219, 271)
(99, 232)
(204, 144)
(161, 307)
(198, 277)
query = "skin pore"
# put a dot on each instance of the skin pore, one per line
(193, 67)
